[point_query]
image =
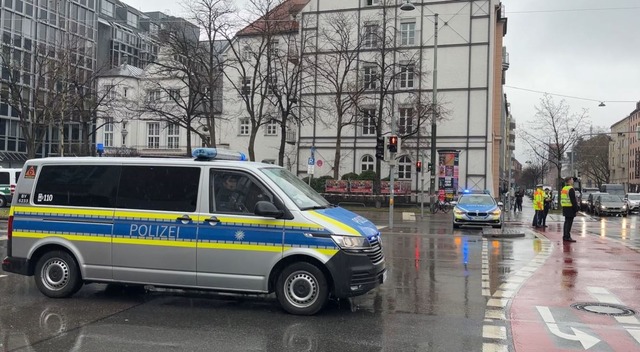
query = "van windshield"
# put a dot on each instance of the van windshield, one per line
(297, 190)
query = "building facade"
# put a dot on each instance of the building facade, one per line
(392, 89)
(619, 153)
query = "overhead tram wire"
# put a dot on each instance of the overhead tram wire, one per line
(570, 96)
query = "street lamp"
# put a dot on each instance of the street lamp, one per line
(432, 184)
(406, 6)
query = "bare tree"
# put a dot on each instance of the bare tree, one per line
(252, 67)
(178, 88)
(592, 158)
(336, 68)
(37, 89)
(554, 131)
(212, 16)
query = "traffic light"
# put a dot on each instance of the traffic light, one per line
(429, 167)
(419, 166)
(380, 148)
(393, 144)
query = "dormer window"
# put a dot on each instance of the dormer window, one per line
(132, 19)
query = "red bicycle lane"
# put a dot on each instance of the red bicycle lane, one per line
(595, 273)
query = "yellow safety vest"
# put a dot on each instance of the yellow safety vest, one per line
(538, 199)
(565, 201)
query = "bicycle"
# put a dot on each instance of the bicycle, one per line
(442, 206)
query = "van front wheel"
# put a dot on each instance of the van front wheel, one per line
(302, 289)
(57, 274)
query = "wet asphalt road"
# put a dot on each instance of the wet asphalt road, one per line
(432, 301)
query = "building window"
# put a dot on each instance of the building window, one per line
(132, 19)
(247, 54)
(173, 136)
(404, 168)
(125, 91)
(371, 2)
(154, 95)
(408, 33)
(370, 77)
(244, 127)
(107, 8)
(406, 76)
(272, 128)
(110, 91)
(153, 28)
(272, 83)
(371, 35)
(405, 121)
(246, 86)
(108, 134)
(153, 135)
(369, 122)
(174, 94)
(273, 48)
(367, 163)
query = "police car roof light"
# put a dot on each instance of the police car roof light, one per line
(206, 154)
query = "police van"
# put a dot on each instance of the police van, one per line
(212, 222)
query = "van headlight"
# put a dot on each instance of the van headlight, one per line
(350, 242)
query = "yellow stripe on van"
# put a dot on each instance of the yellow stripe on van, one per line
(100, 239)
(61, 211)
(348, 230)
(327, 252)
(240, 247)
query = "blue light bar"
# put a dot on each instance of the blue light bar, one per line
(206, 154)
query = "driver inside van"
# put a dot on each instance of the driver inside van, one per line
(228, 196)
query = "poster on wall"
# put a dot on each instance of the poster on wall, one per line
(448, 172)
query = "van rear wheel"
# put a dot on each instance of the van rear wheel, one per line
(57, 274)
(302, 289)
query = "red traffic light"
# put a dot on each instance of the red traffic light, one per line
(419, 166)
(393, 144)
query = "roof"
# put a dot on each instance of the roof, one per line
(124, 70)
(279, 20)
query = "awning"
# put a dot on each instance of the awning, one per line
(13, 156)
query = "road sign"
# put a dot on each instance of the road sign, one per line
(310, 169)
(311, 161)
(319, 163)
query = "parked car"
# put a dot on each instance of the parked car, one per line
(591, 200)
(632, 200)
(584, 200)
(609, 204)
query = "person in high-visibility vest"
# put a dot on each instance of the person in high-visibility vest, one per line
(570, 208)
(538, 206)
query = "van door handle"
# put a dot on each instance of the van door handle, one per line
(212, 219)
(184, 218)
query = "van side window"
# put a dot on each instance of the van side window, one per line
(235, 192)
(4, 178)
(77, 185)
(166, 188)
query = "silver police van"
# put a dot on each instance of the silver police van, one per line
(202, 223)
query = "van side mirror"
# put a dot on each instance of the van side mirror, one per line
(268, 209)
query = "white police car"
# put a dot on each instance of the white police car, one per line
(477, 209)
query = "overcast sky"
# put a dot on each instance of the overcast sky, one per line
(587, 49)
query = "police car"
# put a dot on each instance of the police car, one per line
(213, 222)
(478, 209)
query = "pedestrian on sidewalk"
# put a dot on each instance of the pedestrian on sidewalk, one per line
(569, 208)
(548, 201)
(519, 196)
(538, 206)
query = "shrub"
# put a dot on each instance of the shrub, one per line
(318, 184)
(368, 175)
(350, 176)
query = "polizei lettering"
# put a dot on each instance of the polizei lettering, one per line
(142, 230)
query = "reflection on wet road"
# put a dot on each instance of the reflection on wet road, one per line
(442, 287)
